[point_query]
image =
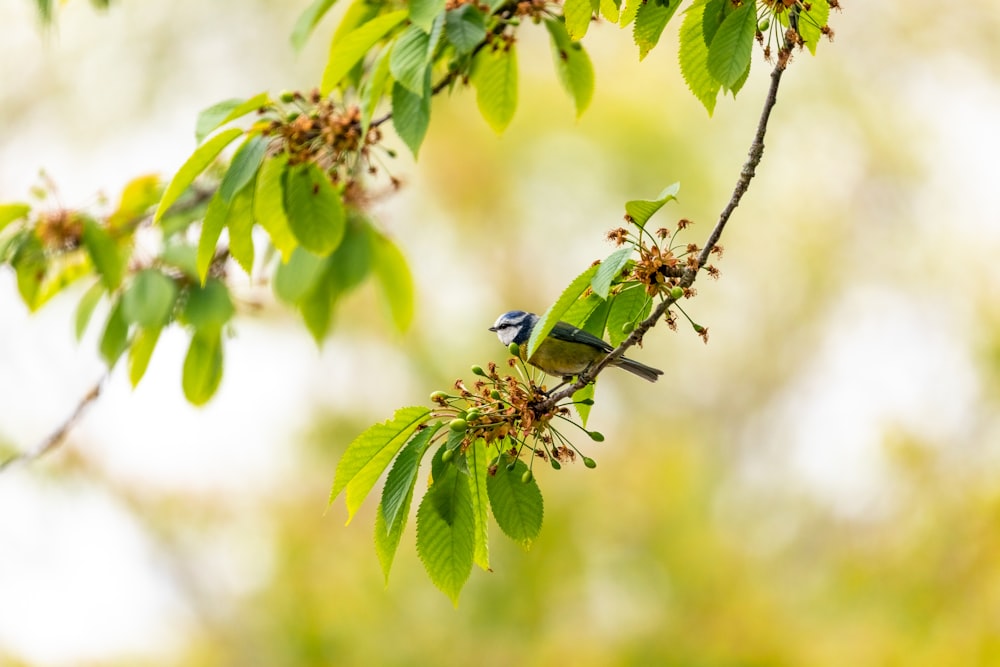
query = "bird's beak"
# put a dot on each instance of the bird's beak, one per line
(493, 329)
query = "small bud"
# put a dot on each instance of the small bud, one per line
(586, 401)
(697, 327)
(510, 466)
(292, 116)
(514, 349)
(478, 370)
(287, 96)
(589, 462)
(596, 436)
(495, 395)
(458, 425)
(628, 327)
(677, 293)
(555, 464)
(764, 25)
(438, 396)
(448, 455)
(526, 477)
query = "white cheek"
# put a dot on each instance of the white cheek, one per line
(506, 336)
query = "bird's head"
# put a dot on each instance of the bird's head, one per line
(514, 327)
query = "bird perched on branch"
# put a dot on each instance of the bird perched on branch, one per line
(566, 351)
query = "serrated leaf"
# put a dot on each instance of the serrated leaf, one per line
(314, 208)
(269, 205)
(183, 257)
(693, 57)
(85, 309)
(202, 366)
(577, 14)
(583, 409)
(30, 265)
(347, 49)
(517, 506)
(197, 163)
(307, 21)
(410, 59)
(211, 229)
(11, 212)
(294, 279)
(732, 45)
(650, 20)
(138, 196)
(608, 270)
(742, 80)
(387, 539)
(630, 306)
(108, 256)
(810, 23)
(219, 114)
(494, 75)
(149, 300)
(411, 114)
(395, 279)
(641, 210)
(317, 310)
(239, 222)
(208, 307)
(581, 310)
(403, 475)
(478, 458)
(351, 262)
(628, 12)
(573, 66)
(139, 354)
(243, 168)
(61, 272)
(370, 452)
(446, 532)
(597, 321)
(714, 13)
(465, 28)
(374, 87)
(114, 340)
(610, 9)
(423, 12)
(562, 304)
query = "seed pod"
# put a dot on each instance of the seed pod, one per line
(677, 293)
(596, 436)
(287, 96)
(526, 477)
(555, 464)
(478, 370)
(589, 462)
(439, 396)
(628, 327)
(448, 455)
(495, 395)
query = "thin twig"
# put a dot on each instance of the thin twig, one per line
(56, 438)
(746, 175)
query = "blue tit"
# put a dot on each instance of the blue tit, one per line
(566, 351)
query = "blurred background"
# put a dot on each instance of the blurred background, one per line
(818, 485)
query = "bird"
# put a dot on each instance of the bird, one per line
(566, 351)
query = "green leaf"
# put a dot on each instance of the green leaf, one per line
(138, 196)
(30, 265)
(423, 12)
(11, 212)
(387, 539)
(609, 270)
(630, 306)
(478, 458)
(583, 409)
(641, 210)
(202, 366)
(610, 9)
(211, 229)
(239, 221)
(351, 262)
(269, 205)
(395, 279)
(115, 337)
(60, 272)
(182, 257)
(577, 14)
(403, 475)
(347, 49)
(579, 313)
(556, 311)
(243, 168)
(465, 28)
(517, 506)
(374, 87)
(149, 300)
(693, 56)
(197, 163)
(143, 344)
(85, 309)
(410, 59)
(650, 20)
(446, 532)
(108, 256)
(731, 47)
(317, 309)
(295, 278)
(222, 112)
(628, 13)
(314, 209)
(494, 74)
(411, 114)
(810, 23)
(208, 307)
(307, 21)
(597, 321)
(573, 66)
(371, 452)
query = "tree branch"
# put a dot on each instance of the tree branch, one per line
(742, 184)
(56, 438)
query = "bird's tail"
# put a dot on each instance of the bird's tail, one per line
(642, 370)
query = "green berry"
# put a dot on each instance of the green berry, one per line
(526, 477)
(287, 96)
(472, 415)
(586, 401)
(448, 455)
(478, 370)
(292, 116)
(764, 25)
(510, 466)
(555, 464)
(596, 436)
(589, 462)
(628, 327)
(439, 396)
(495, 395)
(514, 349)
(677, 293)
(458, 425)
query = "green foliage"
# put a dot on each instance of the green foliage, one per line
(639, 211)
(307, 21)
(313, 208)
(220, 113)
(559, 308)
(465, 28)
(193, 167)
(446, 531)
(349, 48)
(608, 270)
(573, 66)
(494, 75)
(202, 366)
(729, 51)
(650, 20)
(517, 505)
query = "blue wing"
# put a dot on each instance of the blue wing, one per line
(571, 334)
